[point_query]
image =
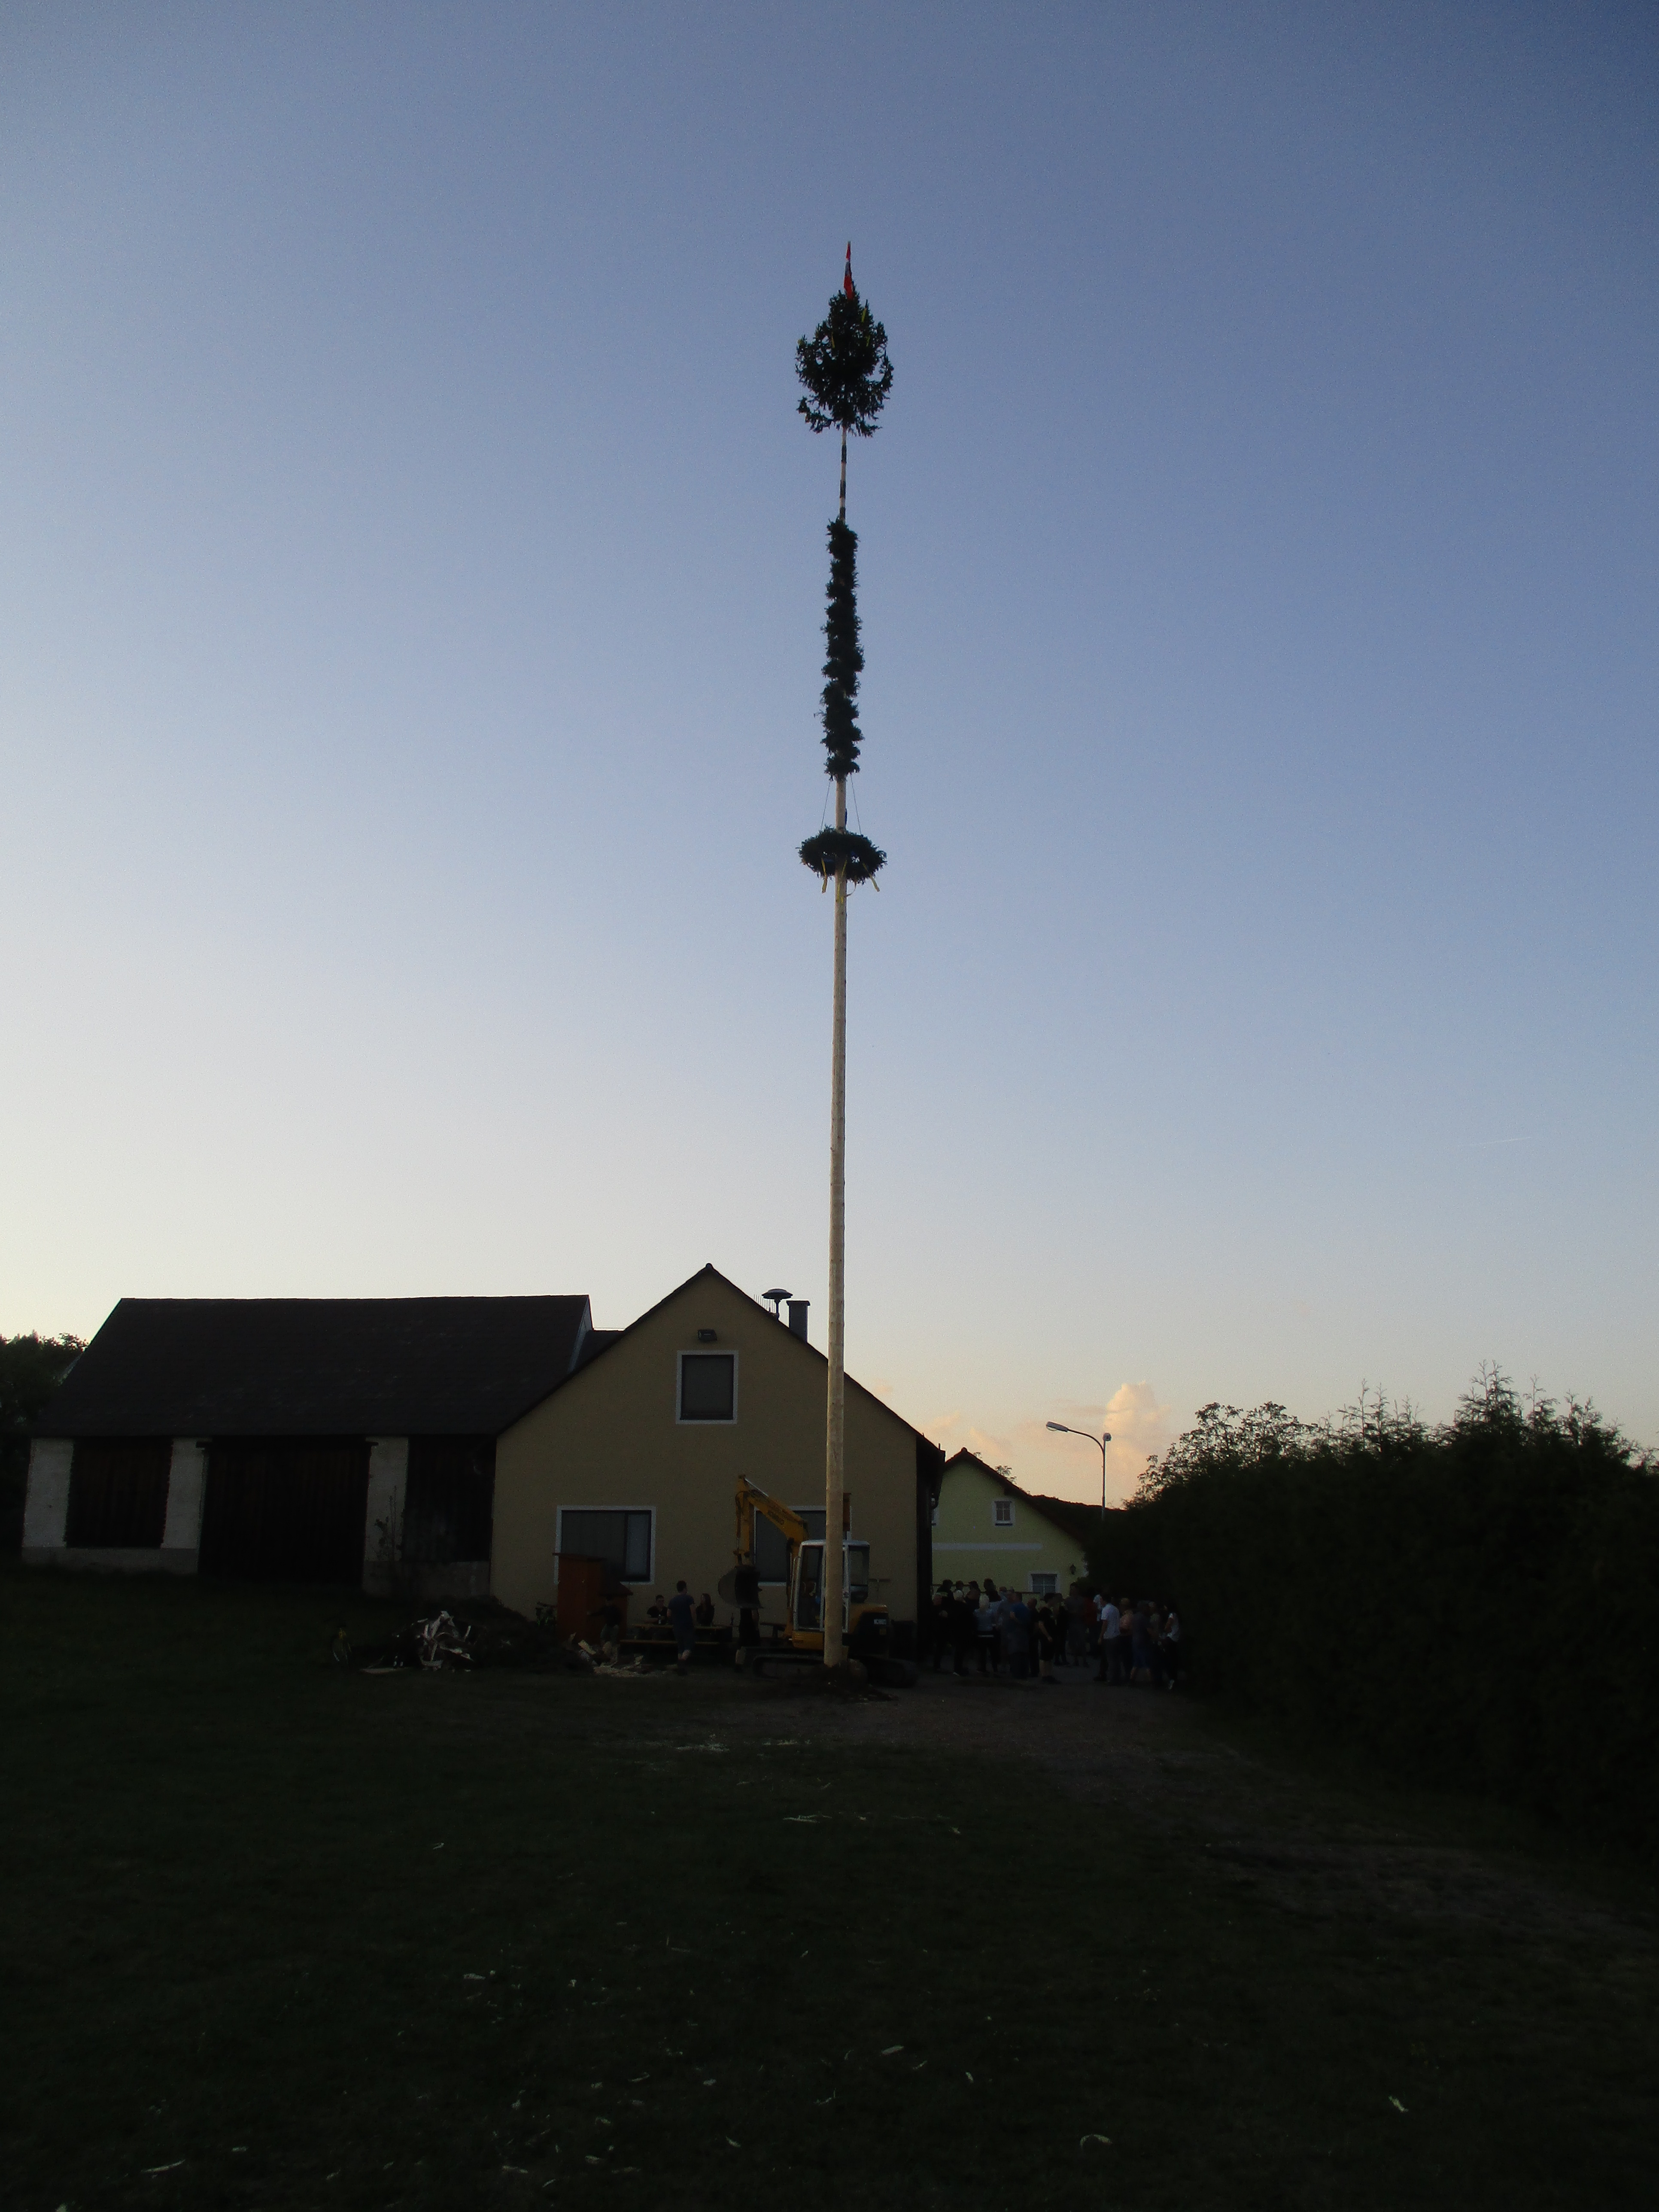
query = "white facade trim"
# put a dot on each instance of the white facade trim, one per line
(187, 1483)
(383, 1517)
(45, 1503)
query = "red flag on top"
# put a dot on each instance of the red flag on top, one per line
(847, 281)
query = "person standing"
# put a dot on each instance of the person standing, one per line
(1017, 1637)
(1172, 1651)
(939, 1636)
(1111, 1669)
(1076, 1629)
(1048, 1642)
(984, 1624)
(964, 1628)
(683, 1619)
(1141, 1645)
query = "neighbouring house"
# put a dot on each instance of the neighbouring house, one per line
(457, 1446)
(986, 1525)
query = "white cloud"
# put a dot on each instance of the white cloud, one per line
(1069, 1466)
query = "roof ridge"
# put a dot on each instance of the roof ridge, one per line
(738, 1290)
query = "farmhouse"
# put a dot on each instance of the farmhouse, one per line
(986, 1525)
(457, 1446)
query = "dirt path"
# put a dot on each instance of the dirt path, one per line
(1310, 1847)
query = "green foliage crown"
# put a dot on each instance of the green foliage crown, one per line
(845, 368)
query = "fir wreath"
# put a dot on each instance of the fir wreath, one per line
(832, 850)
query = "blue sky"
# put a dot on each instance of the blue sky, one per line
(411, 571)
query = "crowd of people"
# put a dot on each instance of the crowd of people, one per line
(1020, 1635)
(1026, 1635)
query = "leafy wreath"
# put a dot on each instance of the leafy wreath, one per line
(833, 850)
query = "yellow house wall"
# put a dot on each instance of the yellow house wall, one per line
(968, 1546)
(610, 1438)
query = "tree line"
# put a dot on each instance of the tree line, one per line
(1472, 1602)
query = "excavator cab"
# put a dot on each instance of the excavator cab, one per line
(807, 1607)
(868, 1628)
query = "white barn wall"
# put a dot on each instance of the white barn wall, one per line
(181, 1537)
(388, 1482)
(46, 1502)
(46, 1514)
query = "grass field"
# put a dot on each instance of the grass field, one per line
(281, 1935)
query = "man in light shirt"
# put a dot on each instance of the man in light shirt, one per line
(1111, 1669)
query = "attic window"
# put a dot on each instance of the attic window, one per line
(1002, 1513)
(709, 1386)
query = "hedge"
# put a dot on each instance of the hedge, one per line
(1473, 1603)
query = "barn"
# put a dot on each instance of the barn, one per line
(317, 1440)
(459, 1447)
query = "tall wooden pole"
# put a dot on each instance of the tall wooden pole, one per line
(834, 1469)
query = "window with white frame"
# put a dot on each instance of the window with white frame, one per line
(620, 1539)
(1002, 1513)
(709, 1386)
(1045, 1585)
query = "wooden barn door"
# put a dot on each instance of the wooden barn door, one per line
(119, 1492)
(278, 1509)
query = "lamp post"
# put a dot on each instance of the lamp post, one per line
(1102, 1441)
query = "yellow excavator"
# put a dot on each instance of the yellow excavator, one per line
(798, 1640)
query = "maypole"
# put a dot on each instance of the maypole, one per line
(848, 376)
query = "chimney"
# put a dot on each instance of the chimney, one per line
(798, 1317)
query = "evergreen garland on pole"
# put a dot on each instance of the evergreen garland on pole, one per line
(833, 849)
(848, 376)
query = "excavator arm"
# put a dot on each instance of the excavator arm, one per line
(752, 1500)
(741, 1587)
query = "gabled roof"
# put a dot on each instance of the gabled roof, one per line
(1078, 1522)
(263, 1367)
(615, 1336)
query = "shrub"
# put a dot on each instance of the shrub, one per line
(1473, 1603)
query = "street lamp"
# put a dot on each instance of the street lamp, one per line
(1102, 1440)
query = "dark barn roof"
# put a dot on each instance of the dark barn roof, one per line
(266, 1367)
